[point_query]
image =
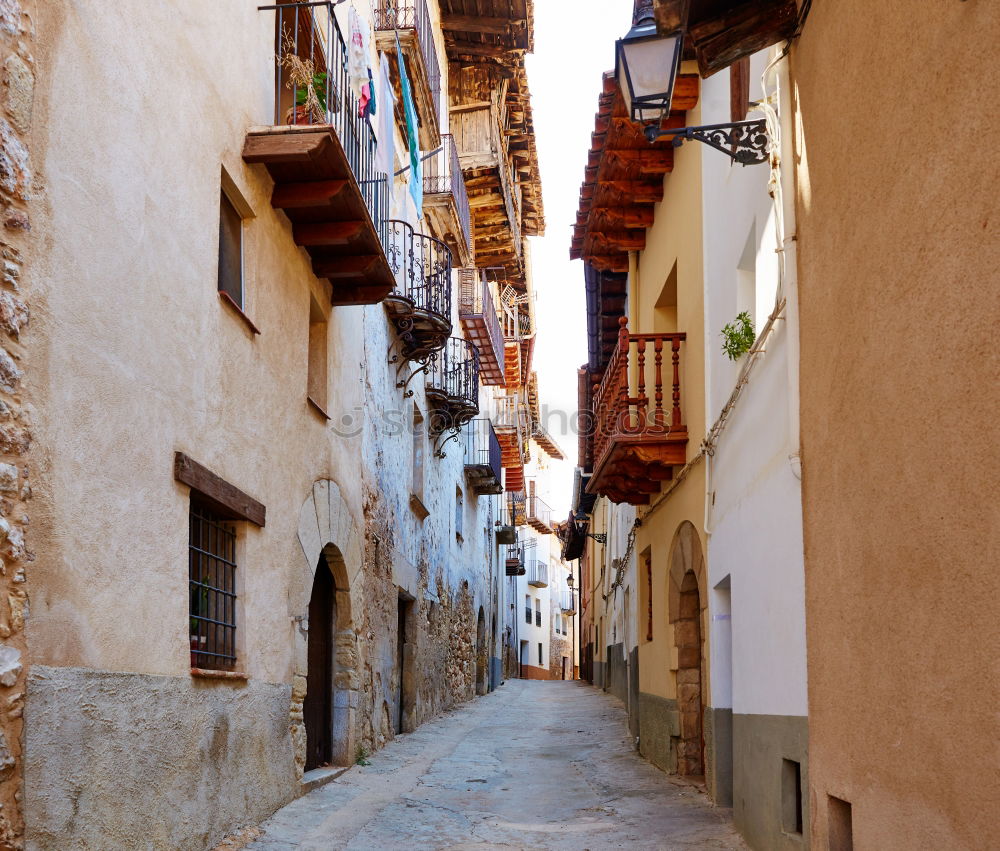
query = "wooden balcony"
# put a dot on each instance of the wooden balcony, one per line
(411, 22)
(638, 439)
(483, 459)
(321, 158)
(420, 302)
(446, 201)
(481, 324)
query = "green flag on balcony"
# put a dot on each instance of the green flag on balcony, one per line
(410, 112)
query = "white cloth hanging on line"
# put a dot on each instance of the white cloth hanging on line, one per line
(385, 154)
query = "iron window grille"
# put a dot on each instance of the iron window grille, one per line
(212, 588)
(527, 615)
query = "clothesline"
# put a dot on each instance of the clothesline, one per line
(424, 158)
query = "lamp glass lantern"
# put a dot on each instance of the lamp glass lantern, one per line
(646, 65)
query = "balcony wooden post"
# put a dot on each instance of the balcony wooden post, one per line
(658, 414)
(623, 347)
(676, 349)
(641, 400)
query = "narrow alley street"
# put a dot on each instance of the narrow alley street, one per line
(533, 765)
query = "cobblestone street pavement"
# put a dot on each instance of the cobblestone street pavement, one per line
(532, 765)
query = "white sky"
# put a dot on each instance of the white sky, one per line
(574, 46)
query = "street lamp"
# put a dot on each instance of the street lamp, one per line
(646, 65)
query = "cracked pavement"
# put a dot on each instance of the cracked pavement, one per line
(534, 764)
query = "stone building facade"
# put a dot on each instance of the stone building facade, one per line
(280, 453)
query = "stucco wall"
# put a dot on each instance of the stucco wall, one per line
(899, 261)
(138, 358)
(215, 756)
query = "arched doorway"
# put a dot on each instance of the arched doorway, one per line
(322, 600)
(317, 708)
(686, 608)
(687, 636)
(482, 654)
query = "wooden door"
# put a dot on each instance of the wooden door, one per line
(318, 706)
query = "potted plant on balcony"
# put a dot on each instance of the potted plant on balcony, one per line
(309, 85)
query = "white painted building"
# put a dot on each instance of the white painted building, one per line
(753, 516)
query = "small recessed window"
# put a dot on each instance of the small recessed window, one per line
(459, 513)
(539, 652)
(318, 356)
(791, 796)
(230, 250)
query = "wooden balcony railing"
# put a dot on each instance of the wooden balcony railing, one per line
(639, 431)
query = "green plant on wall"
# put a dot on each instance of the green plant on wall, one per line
(738, 336)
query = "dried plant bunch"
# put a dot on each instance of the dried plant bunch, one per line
(308, 84)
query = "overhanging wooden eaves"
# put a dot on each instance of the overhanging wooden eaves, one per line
(623, 179)
(720, 32)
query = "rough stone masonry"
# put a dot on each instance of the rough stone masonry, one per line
(18, 188)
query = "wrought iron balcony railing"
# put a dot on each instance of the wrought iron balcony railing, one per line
(567, 602)
(410, 20)
(516, 508)
(481, 323)
(483, 459)
(310, 40)
(315, 143)
(538, 573)
(443, 179)
(515, 560)
(420, 303)
(452, 384)
(638, 436)
(539, 515)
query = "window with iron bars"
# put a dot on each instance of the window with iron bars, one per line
(212, 589)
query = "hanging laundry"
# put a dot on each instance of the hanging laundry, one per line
(385, 154)
(357, 58)
(410, 113)
(371, 91)
(365, 100)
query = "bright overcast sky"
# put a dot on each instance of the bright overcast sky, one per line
(574, 45)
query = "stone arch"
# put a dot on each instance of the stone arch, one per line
(327, 528)
(687, 603)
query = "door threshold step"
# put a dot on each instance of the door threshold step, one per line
(321, 776)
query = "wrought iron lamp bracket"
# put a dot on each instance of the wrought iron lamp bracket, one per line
(600, 537)
(745, 142)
